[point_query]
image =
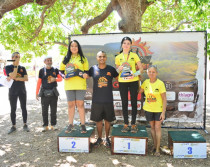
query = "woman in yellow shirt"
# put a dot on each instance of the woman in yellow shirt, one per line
(128, 80)
(75, 86)
(155, 105)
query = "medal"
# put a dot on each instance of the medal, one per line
(126, 71)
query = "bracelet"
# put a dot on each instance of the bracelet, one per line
(118, 70)
(137, 73)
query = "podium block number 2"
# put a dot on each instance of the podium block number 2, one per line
(73, 144)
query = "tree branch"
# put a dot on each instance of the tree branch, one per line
(150, 29)
(97, 19)
(55, 42)
(59, 18)
(8, 5)
(181, 23)
(42, 20)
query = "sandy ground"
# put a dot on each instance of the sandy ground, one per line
(36, 148)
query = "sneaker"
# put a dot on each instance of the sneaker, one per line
(25, 128)
(54, 127)
(125, 129)
(12, 130)
(45, 128)
(107, 143)
(83, 129)
(98, 142)
(134, 129)
(69, 128)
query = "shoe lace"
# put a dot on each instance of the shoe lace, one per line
(133, 127)
(125, 126)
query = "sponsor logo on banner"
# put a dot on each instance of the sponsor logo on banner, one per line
(138, 105)
(171, 96)
(186, 96)
(168, 85)
(185, 106)
(116, 95)
(188, 84)
(88, 94)
(117, 105)
(88, 104)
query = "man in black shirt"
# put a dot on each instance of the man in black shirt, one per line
(17, 90)
(48, 78)
(102, 101)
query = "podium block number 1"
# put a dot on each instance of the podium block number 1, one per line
(129, 145)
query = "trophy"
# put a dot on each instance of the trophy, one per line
(126, 72)
(72, 72)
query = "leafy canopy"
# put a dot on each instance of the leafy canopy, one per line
(19, 27)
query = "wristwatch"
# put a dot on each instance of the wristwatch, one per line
(15, 66)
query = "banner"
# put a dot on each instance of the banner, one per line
(181, 62)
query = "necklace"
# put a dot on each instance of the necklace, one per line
(125, 58)
(73, 59)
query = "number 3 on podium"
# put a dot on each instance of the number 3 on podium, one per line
(189, 150)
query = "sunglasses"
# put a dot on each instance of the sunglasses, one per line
(154, 66)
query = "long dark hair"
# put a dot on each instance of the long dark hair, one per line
(68, 56)
(125, 38)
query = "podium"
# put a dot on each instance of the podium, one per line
(75, 141)
(129, 143)
(187, 144)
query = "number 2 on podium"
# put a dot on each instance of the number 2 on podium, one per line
(73, 144)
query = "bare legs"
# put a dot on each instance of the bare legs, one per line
(156, 134)
(71, 111)
(100, 127)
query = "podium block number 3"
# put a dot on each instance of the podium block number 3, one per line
(73, 144)
(189, 150)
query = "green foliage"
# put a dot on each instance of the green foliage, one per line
(66, 17)
(185, 15)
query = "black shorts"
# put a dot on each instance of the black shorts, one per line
(152, 116)
(102, 111)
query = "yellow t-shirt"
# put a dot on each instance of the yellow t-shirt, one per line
(153, 91)
(132, 60)
(75, 83)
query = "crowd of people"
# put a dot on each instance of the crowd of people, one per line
(74, 70)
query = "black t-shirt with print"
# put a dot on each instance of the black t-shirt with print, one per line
(102, 83)
(17, 86)
(53, 72)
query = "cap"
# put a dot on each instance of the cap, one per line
(47, 57)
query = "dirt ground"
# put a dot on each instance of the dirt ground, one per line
(36, 148)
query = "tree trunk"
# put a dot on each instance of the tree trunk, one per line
(131, 15)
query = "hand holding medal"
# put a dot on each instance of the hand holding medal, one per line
(126, 71)
(71, 71)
